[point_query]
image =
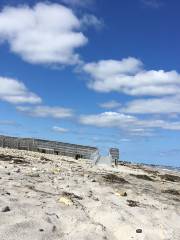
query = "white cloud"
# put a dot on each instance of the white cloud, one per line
(128, 76)
(152, 3)
(91, 20)
(46, 111)
(9, 123)
(108, 119)
(166, 105)
(44, 34)
(60, 129)
(110, 105)
(14, 91)
(127, 123)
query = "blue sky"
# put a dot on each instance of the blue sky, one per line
(102, 73)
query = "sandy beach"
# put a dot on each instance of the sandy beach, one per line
(48, 197)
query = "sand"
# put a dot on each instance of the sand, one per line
(47, 197)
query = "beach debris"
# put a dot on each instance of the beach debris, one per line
(66, 201)
(6, 209)
(139, 230)
(141, 176)
(169, 177)
(121, 194)
(132, 203)
(171, 191)
(113, 178)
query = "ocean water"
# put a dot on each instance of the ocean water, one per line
(171, 168)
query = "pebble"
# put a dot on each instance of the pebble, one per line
(34, 175)
(6, 209)
(138, 230)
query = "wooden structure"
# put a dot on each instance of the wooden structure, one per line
(50, 147)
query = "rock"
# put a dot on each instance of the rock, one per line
(121, 194)
(139, 230)
(34, 175)
(171, 191)
(170, 178)
(41, 230)
(113, 178)
(66, 201)
(54, 228)
(6, 209)
(132, 203)
(142, 176)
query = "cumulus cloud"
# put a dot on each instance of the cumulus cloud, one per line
(60, 129)
(43, 34)
(165, 105)
(129, 76)
(46, 111)
(14, 91)
(128, 123)
(110, 105)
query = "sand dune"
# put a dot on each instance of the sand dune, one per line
(55, 197)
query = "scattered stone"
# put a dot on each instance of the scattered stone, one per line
(132, 203)
(19, 161)
(54, 228)
(112, 178)
(141, 176)
(44, 159)
(66, 201)
(56, 170)
(72, 196)
(169, 177)
(6, 209)
(121, 194)
(90, 195)
(138, 230)
(171, 191)
(34, 175)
